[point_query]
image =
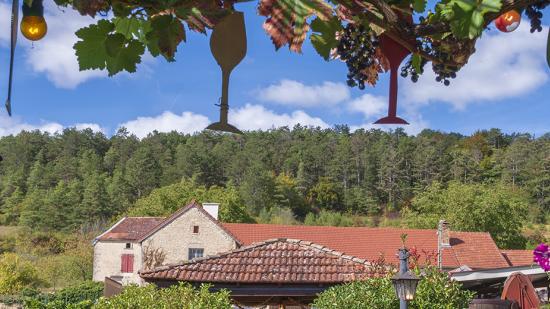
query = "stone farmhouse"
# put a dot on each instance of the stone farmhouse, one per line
(278, 263)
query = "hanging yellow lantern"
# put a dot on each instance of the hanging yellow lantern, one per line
(33, 24)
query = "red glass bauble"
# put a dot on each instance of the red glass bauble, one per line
(508, 21)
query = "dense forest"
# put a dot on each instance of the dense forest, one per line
(65, 181)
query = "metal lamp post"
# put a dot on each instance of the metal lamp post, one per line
(405, 281)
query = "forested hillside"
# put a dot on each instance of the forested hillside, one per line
(59, 182)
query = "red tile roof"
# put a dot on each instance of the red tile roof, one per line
(477, 250)
(179, 213)
(274, 261)
(518, 257)
(140, 228)
(131, 228)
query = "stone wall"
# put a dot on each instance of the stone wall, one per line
(177, 237)
(174, 240)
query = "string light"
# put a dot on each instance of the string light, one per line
(33, 24)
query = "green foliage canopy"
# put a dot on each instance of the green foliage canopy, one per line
(177, 296)
(117, 44)
(16, 274)
(435, 291)
(49, 182)
(499, 210)
(166, 200)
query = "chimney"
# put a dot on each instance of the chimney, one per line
(212, 209)
(444, 234)
(443, 240)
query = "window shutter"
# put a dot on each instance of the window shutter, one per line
(127, 263)
(130, 263)
(123, 263)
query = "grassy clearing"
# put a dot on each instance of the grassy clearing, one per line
(8, 230)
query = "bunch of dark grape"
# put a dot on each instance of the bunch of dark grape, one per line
(534, 12)
(356, 48)
(444, 73)
(409, 69)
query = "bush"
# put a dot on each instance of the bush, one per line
(376, 293)
(177, 296)
(16, 274)
(497, 209)
(435, 291)
(80, 296)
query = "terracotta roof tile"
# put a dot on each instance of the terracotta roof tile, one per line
(131, 228)
(477, 250)
(518, 257)
(273, 261)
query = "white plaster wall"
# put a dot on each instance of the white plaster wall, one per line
(107, 260)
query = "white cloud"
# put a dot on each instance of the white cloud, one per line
(93, 126)
(187, 122)
(415, 126)
(249, 117)
(16, 124)
(505, 65)
(12, 126)
(369, 105)
(257, 117)
(54, 55)
(5, 23)
(294, 93)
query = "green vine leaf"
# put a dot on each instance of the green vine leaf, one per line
(416, 62)
(419, 6)
(287, 20)
(166, 34)
(466, 16)
(324, 37)
(100, 48)
(126, 57)
(90, 51)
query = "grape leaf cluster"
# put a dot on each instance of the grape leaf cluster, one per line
(413, 69)
(357, 48)
(534, 12)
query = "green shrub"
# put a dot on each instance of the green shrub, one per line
(376, 293)
(81, 296)
(177, 296)
(16, 274)
(435, 291)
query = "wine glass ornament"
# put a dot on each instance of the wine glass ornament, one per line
(228, 46)
(395, 53)
(508, 21)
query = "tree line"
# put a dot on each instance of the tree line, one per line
(63, 181)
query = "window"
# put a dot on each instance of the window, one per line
(195, 229)
(195, 253)
(127, 263)
(128, 245)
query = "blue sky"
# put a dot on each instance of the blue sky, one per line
(505, 85)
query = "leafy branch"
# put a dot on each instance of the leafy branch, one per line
(160, 26)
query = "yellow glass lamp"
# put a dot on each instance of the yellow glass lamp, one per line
(33, 24)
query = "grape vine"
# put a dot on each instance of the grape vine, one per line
(534, 12)
(357, 48)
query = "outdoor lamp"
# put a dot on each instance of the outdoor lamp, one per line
(405, 285)
(33, 24)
